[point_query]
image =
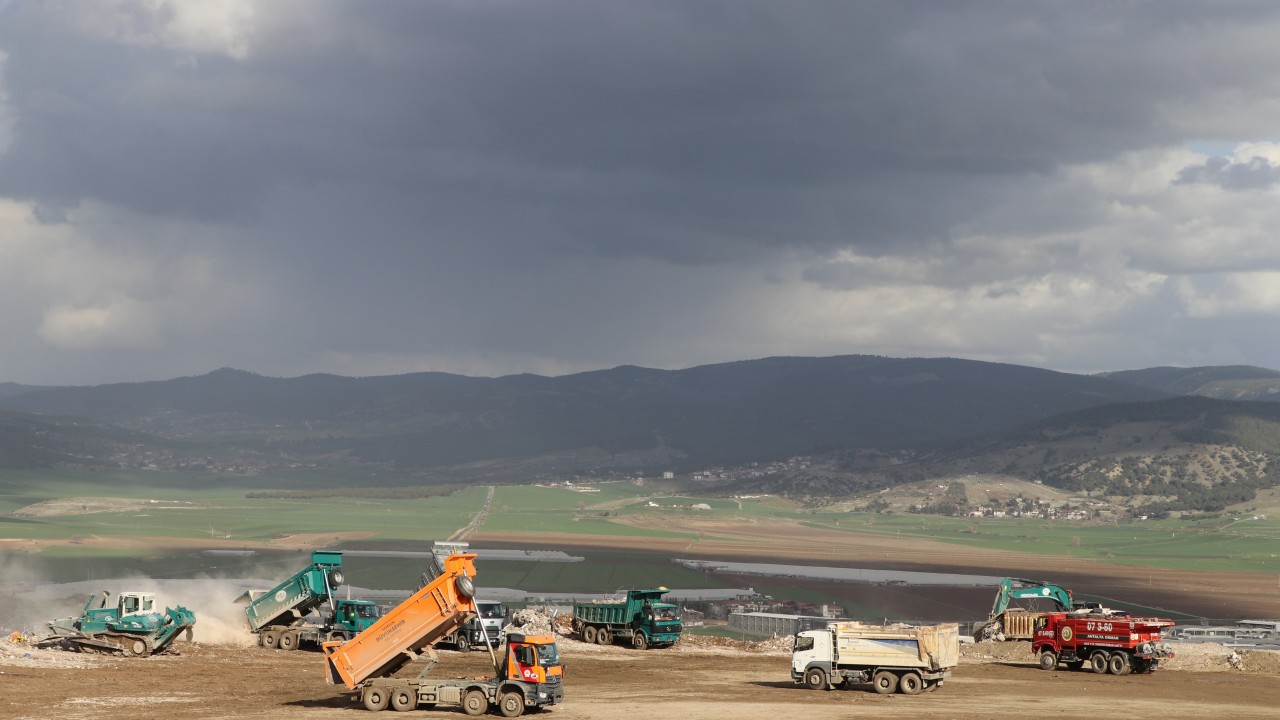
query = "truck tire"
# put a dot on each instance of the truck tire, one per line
(1118, 664)
(269, 639)
(885, 682)
(1098, 662)
(910, 683)
(375, 698)
(462, 642)
(511, 704)
(475, 703)
(288, 641)
(589, 635)
(604, 637)
(466, 588)
(815, 679)
(403, 699)
(1048, 660)
(639, 641)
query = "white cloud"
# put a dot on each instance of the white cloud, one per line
(1247, 294)
(121, 323)
(208, 27)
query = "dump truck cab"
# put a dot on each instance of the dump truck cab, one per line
(355, 616)
(533, 661)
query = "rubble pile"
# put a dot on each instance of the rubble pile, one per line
(537, 620)
(1210, 657)
(16, 650)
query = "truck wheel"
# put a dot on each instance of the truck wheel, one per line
(403, 699)
(375, 699)
(910, 684)
(1098, 662)
(466, 588)
(136, 647)
(511, 704)
(463, 643)
(1118, 664)
(589, 635)
(475, 703)
(639, 641)
(815, 679)
(288, 641)
(270, 639)
(603, 636)
(885, 682)
(1048, 660)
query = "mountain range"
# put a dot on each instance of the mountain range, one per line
(872, 419)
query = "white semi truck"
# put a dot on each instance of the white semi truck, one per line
(892, 658)
(486, 625)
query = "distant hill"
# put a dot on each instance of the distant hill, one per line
(626, 418)
(1228, 382)
(8, 389)
(31, 441)
(1186, 453)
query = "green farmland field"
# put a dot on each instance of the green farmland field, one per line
(196, 511)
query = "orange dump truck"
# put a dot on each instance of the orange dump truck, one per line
(528, 671)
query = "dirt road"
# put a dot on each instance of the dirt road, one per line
(246, 683)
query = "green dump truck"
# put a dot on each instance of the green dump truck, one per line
(641, 619)
(279, 615)
(135, 626)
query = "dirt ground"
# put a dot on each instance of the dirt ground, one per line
(707, 678)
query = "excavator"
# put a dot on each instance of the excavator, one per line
(1019, 623)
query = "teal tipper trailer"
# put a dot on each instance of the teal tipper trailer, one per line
(641, 618)
(277, 615)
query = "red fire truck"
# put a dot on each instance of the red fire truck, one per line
(1112, 643)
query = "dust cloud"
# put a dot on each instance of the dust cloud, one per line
(30, 603)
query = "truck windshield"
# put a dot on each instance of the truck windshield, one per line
(667, 614)
(548, 655)
(803, 643)
(367, 611)
(492, 610)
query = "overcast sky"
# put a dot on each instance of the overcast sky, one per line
(487, 187)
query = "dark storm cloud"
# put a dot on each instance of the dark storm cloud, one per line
(708, 120)
(576, 184)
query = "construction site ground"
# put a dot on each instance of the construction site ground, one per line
(704, 678)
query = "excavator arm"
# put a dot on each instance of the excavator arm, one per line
(1021, 589)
